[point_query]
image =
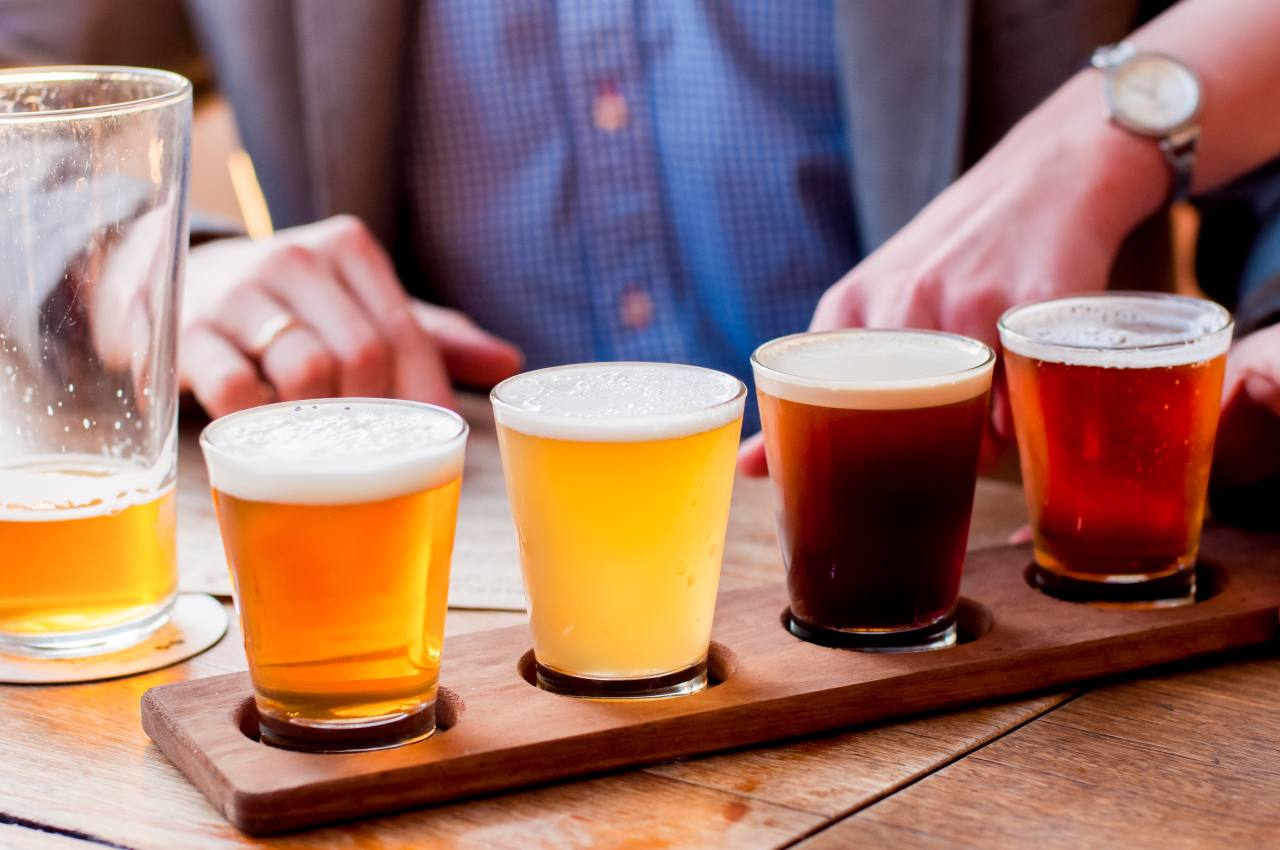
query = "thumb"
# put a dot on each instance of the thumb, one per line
(472, 355)
(751, 459)
(1247, 448)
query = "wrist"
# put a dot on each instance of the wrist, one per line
(1116, 179)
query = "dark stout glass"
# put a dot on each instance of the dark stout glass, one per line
(873, 440)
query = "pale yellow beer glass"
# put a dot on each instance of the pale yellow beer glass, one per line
(619, 477)
(338, 520)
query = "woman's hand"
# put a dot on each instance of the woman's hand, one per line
(318, 311)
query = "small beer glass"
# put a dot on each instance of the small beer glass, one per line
(873, 439)
(338, 518)
(1115, 399)
(619, 477)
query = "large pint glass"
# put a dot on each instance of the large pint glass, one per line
(338, 517)
(92, 239)
(1115, 398)
(619, 477)
(873, 439)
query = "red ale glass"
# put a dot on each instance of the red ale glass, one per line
(1115, 399)
(873, 438)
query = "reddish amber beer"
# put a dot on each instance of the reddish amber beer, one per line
(873, 439)
(1115, 399)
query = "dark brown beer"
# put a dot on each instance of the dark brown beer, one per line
(874, 459)
(1116, 437)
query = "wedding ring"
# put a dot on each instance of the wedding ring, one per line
(271, 330)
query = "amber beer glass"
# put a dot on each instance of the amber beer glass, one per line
(92, 239)
(1115, 399)
(873, 438)
(338, 517)
(619, 477)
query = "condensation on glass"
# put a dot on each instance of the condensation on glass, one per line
(93, 232)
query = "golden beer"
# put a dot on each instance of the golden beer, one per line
(619, 477)
(89, 550)
(338, 520)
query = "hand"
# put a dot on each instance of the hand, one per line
(1038, 216)
(1247, 449)
(318, 311)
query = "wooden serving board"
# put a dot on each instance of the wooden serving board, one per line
(504, 733)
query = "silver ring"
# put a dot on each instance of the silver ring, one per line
(271, 330)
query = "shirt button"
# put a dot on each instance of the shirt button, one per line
(636, 309)
(609, 112)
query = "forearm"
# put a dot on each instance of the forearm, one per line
(1120, 178)
(1234, 45)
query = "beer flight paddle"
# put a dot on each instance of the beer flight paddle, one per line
(499, 732)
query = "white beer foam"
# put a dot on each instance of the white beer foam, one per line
(874, 369)
(333, 451)
(623, 402)
(1118, 331)
(56, 487)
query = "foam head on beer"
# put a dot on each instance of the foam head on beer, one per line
(1118, 331)
(874, 370)
(624, 402)
(333, 452)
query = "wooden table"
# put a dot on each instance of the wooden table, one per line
(1186, 758)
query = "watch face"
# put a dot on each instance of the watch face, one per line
(1153, 94)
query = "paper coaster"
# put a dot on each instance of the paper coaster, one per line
(197, 622)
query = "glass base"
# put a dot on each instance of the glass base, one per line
(88, 643)
(939, 635)
(687, 681)
(348, 736)
(1170, 591)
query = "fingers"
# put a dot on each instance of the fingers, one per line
(1247, 448)
(308, 290)
(751, 458)
(418, 370)
(1022, 535)
(295, 362)
(221, 378)
(472, 355)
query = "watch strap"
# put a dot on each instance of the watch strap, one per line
(1179, 149)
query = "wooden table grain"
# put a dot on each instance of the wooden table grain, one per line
(1186, 758)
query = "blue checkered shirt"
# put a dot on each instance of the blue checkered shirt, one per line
(629, 179)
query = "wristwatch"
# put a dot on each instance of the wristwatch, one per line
(1154, 95)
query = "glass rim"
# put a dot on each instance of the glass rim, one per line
(784, 377)
(179, 89)
(738, 396)
(1209, 306)
(207, 440)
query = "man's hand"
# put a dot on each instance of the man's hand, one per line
(1247, 449)
(318, 311)
(1039, 216)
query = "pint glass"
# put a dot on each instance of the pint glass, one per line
(338, 517)
(93, 233)
(872, 438)
(1115, 399)
(619, 477)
